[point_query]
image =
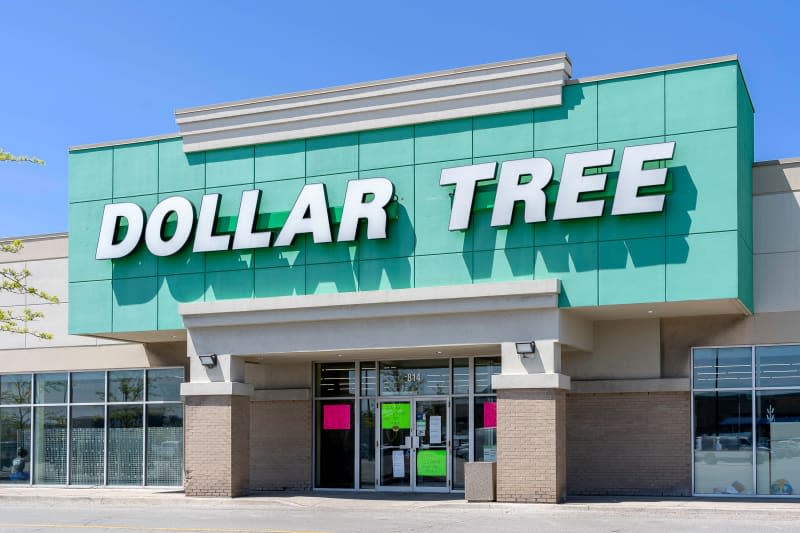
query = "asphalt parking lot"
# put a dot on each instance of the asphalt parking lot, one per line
(114, 511)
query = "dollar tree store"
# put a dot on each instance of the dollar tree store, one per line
(496, 280)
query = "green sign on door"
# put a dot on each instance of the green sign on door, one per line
(396, 415)
(432, 463)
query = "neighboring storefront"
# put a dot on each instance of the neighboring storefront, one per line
(369, 287)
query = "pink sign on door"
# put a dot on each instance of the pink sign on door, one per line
(336, 416)
(490, 415)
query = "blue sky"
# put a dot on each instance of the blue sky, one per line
(91, 71)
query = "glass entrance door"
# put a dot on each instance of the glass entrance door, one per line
(414, 445)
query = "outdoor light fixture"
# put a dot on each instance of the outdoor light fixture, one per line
(525, 349)
(208, 361)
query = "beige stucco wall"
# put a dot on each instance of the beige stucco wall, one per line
(623, 349)
(776, 236)
(46, 258)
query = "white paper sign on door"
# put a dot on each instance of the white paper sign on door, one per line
(436, 430)
(398, 464)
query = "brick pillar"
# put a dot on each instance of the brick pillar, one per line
(531, 445)
(217, 449)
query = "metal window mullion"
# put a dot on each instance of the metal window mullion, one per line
(144, 427)
(754, 438)
(314, 431)
(105, 428)
(357, 432)
(691, 416)
(32, 454)
(471, 409)
(68, 476)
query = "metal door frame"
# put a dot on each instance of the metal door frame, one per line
(412, 463)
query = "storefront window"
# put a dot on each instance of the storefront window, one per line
(15, 389)
(105, 435)
(414, 378)
(461, 376)
(87, 431)
(125, 444)
(164, 384)
(460, 439)
(723, 450)
(50, 444)
(778, 453)
(336, 380)
(486, 429)
(728, 458)
(405, 425)
(366, 445)
(164, 443)
(88, 387)
(778, 366)
(335, 444)
(125, 386)
(51, 388)
(15, 443)
(723, 368)
(485, 368)
(369, 379)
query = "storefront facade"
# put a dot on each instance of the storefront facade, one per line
(588, 282)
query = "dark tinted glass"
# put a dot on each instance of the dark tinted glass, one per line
(51, 388)
(778, 366)
(723, 368)
(336, 379)
(485, 368)
(15, 389)
(125, 386)
(88, 387)
(164, 384)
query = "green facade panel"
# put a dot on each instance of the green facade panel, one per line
(135, 169)
(699, 247)
(630, 108)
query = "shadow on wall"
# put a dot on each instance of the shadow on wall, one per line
(559, 248)
(564, 247)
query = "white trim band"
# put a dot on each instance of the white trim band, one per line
(216, 388)
(485, 89)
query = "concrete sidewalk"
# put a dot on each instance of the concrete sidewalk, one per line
(139, 497)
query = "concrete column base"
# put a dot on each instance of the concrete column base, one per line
(217, 448)
(531, 445)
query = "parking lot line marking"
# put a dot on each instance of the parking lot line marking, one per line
(139, 528)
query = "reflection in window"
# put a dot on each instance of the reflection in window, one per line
(164, 384)
(164, 444)
(778, 452)
(15, 442)
(723, 448)
(51, 388)
(125, 386)
(125, 444)
(411, 378)
(86, 444)
(366, 446)
(336, 379)
(369, 379)
(88, 387)
(15, 389)
(723, 368)
(486, 429)
(461, 376)
(778, 366)
(485, 368)
(460, 440)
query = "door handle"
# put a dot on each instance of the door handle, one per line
(416, 442)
